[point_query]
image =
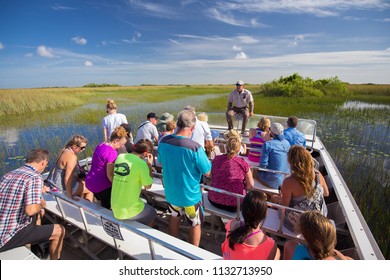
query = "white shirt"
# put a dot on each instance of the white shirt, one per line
(201, 132)
(112, 121)
(146, 130)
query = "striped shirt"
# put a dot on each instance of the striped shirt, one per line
(18, 188)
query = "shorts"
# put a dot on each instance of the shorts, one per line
(30, 234)
(193, 214)
(145, 217)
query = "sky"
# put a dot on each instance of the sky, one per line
(45, 43)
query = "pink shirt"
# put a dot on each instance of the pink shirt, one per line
(244, 251)
(228, 174)
(97, 180)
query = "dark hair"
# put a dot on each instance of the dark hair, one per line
(143, 145)
(37, 155)
(292, 121)
(254, 210)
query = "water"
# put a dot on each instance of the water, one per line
(356, 134)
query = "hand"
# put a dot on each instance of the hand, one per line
(250, 114)
(150, 158)
(45, 189)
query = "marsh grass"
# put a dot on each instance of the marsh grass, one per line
(358, 140)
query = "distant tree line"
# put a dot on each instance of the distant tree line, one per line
(297, 86)
(93, 85)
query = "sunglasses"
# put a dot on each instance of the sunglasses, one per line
(81, 147)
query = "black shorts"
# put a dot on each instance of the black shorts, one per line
(30, 234)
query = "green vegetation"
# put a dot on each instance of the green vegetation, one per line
(297, 86)
(93, 85)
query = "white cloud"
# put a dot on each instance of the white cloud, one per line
(247, 39)
(45, 52)
(237, 48)
(79, 40)
(58, 7)
(1, 46)
(229, 18)
(241, 56)
(88, 63)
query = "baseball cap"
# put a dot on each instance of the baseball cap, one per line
(240, 83)
(152, 116)
(277, 128)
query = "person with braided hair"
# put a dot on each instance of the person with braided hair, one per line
(244, 239)
(304, 189)
(320, 240)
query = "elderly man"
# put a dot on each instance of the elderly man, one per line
(183, 162)
(242, 100)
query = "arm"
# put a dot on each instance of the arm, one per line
(105, 134)
(289, 249)
(229, 107)
(251, 107)
(264, 156)
(324, 185)
(110, 171)
(249, 183)
(33, 209)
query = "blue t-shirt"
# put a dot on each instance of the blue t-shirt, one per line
(301, 253)
(294, 137)
(274, 156)
(183, 162)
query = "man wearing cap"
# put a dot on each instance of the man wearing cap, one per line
(243, 105)
(148, 130)
(274, 157)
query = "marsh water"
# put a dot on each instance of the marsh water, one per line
(356, 134)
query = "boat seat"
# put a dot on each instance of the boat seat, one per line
(132, 238)
(18, 253)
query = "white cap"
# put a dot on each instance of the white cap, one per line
(240, 82)
(277, 128)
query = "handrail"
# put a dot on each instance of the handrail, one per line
(149, 237)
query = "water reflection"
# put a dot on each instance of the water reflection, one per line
(358, 105)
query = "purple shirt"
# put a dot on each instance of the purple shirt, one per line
(97, 180)
(228, 174)
(18, 188)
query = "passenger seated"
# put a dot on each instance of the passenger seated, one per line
(292, 135)
(233, 133)
(304, 189)
(99, 178)
(320, 240)
(131, 172)
(244, 239)
(257, 136)
(67, 175)
(170, 127)
(230, 173)
(162, 122)
(129, 146)
(274, 157)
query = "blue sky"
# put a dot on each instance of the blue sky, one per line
(131, 42)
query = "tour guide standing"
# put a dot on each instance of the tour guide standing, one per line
(242, 99)
(183, 162)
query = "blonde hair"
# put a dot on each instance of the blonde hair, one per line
(170, 125)
(111, 105)
(118, 133)
(319, 233)
(76, 140)
(233, 146)
(264, 124)
(302, 168)
(203, 117)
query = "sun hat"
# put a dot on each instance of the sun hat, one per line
(152, 116)
(230, 133)
(166, 117)
(277, 128)
(240, 83)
